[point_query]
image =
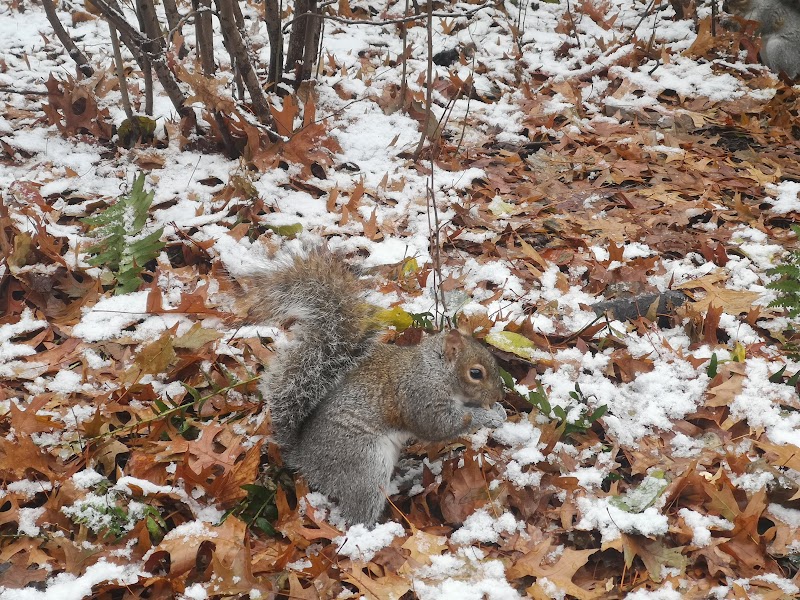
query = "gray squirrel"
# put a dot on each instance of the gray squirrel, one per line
(779, 26)
(342, 403)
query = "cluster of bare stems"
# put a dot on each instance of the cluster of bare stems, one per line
(148, 42)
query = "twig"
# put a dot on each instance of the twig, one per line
(435, 250)
(197, 12)
(238, 50)
(302, 40)
(713, 19)
(205, 35)
(572, 24)
(404, 75)
(428, 84)
(646, 14)
(444, 15)
(154, 44)
(174, 19)
(9, 89)
(123, 84)
(74, 53)
(272, 18)
(142, 45)
(469, 98)
(173, 410)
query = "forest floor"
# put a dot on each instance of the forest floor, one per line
(601, 151)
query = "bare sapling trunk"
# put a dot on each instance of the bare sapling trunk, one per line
(84, 68)
(303, 40)
(272, 18)
(238, 50)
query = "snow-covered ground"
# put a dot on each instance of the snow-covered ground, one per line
(570, 82)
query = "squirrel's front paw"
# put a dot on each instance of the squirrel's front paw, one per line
(489, 417)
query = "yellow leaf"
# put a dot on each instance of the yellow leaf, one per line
(396, 317)
(511, 342)
(410, 266)
(154, 358)
(196, 337)
(288, 231)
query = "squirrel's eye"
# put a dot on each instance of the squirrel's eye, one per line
(476, 374)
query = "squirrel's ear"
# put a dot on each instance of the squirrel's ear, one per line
(453, 344)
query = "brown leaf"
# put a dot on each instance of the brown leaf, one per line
(422, 546)
(560, 572)
(654, 554)
(388, 587)
(154, 358)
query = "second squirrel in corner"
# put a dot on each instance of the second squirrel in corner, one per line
(779, 26)
(343, 404)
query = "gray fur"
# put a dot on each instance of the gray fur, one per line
(342, 404)
(779, 26)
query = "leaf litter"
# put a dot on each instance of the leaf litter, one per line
(597, 152)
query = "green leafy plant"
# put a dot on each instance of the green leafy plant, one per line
(258, 510)
(778, 377)
(121, 245)
(113, 515)
(713, 366)
(423, 320)
(788, 286)
(538, 398)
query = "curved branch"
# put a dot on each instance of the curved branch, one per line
(74, 53)
(151, 48)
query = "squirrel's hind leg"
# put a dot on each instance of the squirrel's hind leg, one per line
(355, 473)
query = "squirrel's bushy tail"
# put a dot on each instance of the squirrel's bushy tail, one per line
(333, 327)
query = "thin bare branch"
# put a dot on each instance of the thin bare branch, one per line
(157, 59)
(120, 66)
(272, 18)
(428, 85)
(74, 53)
(238, 50)
(410, 19)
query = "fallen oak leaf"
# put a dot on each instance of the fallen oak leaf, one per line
(746, 545)
(654, 554)
(561, 572)
(734, 302)
(422, 546)
(290, 522)
(389, 587)
(729, 383)
(788, 455)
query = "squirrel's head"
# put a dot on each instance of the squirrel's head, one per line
(474, 368)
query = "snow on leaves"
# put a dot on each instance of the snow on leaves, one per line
(577, 160)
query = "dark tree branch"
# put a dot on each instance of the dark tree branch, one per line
(238, 50)
(157, 59)
(205, 35)
(74, 53)
(272, 18)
